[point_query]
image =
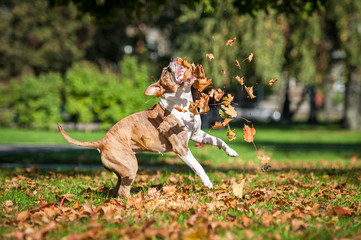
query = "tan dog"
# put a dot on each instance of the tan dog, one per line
(158, 129)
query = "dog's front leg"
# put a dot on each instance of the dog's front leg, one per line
(190, 160)
(202, 137)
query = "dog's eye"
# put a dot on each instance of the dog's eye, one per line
(165, 71)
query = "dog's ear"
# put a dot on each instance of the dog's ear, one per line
(152, 89)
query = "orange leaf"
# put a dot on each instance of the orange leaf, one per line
(228, 99)
(249, 90)
(210, 56)
(248, 133)
(230, 42)
(230, 111)
(202, 83)
(217, 94)
(240, 80)
(237, 188)
(169, 190)
(184, 63)
(202, 103)
(250, 57)
(272, 81)
(217, 125)
(231, 134)
(237, 64)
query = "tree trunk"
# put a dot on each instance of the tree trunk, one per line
(328, 95)
(286, 110)
(312, 116)
(352, 114)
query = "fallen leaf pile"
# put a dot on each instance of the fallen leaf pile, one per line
(301, 204)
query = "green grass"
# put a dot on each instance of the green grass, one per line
(309, 165)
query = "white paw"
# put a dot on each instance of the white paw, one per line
(206, 182)
(231, 152)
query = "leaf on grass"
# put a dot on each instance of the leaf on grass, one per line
(227, 100)
(246, 221)
(272, 81)
(249, 91)
(210, 56)
(240, 80)
(248, 133)
(22, 216)
(217, 94)
(340, 211)
(230, 42)
(169, 190)
(230, 111)
(266, 219)
(250, 57)
(237, 188)
(237, 64)
(180, 109)
(144, 142)
(264, 158)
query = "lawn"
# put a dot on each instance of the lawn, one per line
(312, 191)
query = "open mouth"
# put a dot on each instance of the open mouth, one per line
(178, 71)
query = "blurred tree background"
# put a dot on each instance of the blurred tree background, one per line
(90, 61)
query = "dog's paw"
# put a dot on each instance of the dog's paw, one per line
(231, 152)
(206, 182)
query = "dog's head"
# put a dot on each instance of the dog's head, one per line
(171, 80)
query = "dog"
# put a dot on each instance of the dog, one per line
(161, 128)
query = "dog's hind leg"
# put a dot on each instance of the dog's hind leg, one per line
(124, 164)
(192, 162)
(202, 137)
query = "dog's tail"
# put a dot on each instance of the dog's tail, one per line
(95, 144)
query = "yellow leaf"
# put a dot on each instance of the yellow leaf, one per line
(238, 188)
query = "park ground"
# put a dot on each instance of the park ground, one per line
(311, 191)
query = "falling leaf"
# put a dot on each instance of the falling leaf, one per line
(193, 108)
(153, 79)
(202, 83)
(180, 109)
(217, 94)
(202, 103)
(187, 75)
(144, 142)
(248, 133)
(230, 111)
(227, 100)
(249, 90)
(240, 80)
(198, 72)
(237, 64)
(230, 42)
(237, 188)
(272, 81)
(250, 57)
(217, 125)
(223, 114)
(210, 56)
(231, 134)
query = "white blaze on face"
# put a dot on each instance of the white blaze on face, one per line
(177, 70)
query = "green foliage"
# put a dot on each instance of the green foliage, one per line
(93, 95)
(38, 38)
(34, 101)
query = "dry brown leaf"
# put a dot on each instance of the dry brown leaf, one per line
(250, 57)
(193, 108)
(184, 63)
(248, 133)
(237, 188)
(227, 100)
(240, 80)
(237, 64)
(180, 109)
(230, 111)
(169, 190)
(272, 81)
(230, 42)
(246, 221)
(202, 83)
(231, 134)
(144, 142)
(266, 219)
(217, 125)
(210, 56)
(217, 94)
(249, 91)
(22, 216)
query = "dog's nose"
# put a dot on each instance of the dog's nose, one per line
(174, 59)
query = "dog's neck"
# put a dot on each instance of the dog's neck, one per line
(179, 98)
